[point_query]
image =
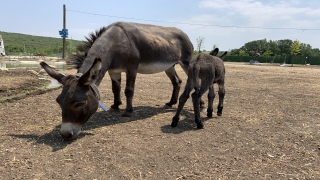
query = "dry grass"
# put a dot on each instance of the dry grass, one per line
(269, 130)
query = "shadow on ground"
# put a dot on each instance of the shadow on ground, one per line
(102, 119)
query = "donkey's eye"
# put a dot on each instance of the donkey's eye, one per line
(79, 104)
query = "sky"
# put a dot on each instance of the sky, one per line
(227, 24)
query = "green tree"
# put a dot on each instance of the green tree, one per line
(306, 50)
(267, 53)
(234, 52)
(273, 47)
(250, 47)
(295, 48)
(285, 46)
(243, 53)
(316, 52)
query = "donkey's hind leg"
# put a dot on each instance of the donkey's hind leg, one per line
(116, 88)
(221, 93)
(176, 83)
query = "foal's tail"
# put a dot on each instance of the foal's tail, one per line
(195, 76)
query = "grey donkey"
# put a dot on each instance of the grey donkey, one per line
(203, 71)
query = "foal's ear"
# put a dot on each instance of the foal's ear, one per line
(223, 55)
(53, 73)
(92, 74)
(214, 52)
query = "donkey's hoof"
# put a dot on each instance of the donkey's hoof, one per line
(174, 124)
(219, 112)
(200, 125)
(167, 106)
(127, 114)
(209, 112)
(113, 110)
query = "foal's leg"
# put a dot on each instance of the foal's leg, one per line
(221, 93)
(196, 96)
(116, 88)
(182, 100)
(202, 104)
(211, 96)
(129, 91)
(176, 83)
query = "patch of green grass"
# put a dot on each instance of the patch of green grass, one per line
(25, 91)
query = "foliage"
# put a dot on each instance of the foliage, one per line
(275, 48)
(267, 53)
(243, 53)
(295, 48)
(16, 43)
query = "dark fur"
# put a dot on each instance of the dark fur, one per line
(204, 70)
(120, 47)
(82, 50)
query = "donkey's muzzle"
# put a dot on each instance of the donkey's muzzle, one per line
(69, 131)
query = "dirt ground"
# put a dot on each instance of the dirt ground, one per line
(269, 129)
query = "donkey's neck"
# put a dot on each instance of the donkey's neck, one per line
(87, 64)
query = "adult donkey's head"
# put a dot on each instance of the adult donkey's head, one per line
(79, 98)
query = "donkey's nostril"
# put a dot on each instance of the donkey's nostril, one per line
(66, 135)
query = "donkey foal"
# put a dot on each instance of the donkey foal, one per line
(204, 70)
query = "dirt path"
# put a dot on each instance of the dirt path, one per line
(269, 130)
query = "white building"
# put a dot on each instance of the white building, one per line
(2, 51)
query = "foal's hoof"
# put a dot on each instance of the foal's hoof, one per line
(200, 125)
(124, 119)
(219, 114)
(175, 121)
(174, 124)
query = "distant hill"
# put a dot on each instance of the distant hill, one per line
(16, 43)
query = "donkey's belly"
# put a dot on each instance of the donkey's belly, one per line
(151, 68)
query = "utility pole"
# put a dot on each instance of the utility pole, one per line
(64, 27)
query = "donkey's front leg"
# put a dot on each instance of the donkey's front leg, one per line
(129, 91)
(116, 88)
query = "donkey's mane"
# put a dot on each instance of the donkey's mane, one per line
(82, 50)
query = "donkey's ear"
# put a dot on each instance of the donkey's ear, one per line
(214, 52)
(92, 74)
(223, 55)
(53, 73)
